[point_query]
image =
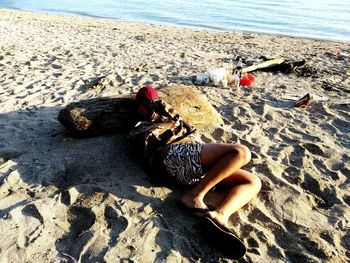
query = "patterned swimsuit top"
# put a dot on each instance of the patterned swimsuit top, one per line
(161, 127)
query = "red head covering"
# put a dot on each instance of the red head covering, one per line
(146, 95)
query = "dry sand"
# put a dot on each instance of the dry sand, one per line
(68, 200)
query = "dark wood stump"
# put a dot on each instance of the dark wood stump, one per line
(100, 116)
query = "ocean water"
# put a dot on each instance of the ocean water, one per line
(319, 19)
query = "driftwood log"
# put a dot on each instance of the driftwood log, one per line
(100, 116)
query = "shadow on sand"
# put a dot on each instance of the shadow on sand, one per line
(106, 204)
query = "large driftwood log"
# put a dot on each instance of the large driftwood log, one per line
(193, 106)
(100, 116)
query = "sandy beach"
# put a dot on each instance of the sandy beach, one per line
(87, 200)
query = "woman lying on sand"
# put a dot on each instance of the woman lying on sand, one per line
(169, 144)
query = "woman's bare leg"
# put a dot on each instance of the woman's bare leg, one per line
(245, 186)
(224, 162)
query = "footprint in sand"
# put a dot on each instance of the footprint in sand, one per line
(345, 242)
(315, 149)
(304, 135)
(328, 237)
(325, 170)
(327, 194)
(117, 224)
(80, 220)
(96, 249)
(32, 211)
(341, 125)
(296, 157)
(291, 239)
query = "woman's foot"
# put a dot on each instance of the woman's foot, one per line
(219, 218)
(191, 201)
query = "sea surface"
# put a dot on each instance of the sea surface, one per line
(319, 19)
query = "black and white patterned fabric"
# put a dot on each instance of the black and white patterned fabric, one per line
(182, 162)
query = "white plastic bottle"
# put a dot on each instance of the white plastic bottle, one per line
(219, 76)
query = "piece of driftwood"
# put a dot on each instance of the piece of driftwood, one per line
(193, 106)
(100, 116)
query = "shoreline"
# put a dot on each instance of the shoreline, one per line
(64, 199)
(180, 26)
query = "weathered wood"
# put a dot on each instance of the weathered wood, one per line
(193, 106)
(100, 116)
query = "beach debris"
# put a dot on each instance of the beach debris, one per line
(340, 55)
(219, 77)
(268, 64)
(91, 84)
(298, 68)
(201, 79)
(295, 97)
(304, 101)
(247, 80)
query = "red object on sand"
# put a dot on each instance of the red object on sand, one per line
(247, 80)
(304, 101)
(146, 94)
